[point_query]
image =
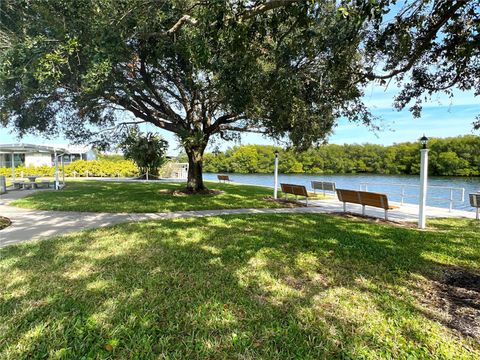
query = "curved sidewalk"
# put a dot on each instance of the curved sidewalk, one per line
(28, 224)
(37, 224)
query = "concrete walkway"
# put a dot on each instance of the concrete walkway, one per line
(30, 224)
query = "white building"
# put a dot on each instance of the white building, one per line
(41, 155)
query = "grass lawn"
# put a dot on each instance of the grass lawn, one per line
(296, 286)
(103, 196)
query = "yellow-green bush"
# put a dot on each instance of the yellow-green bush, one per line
(102, 168)
(79, 168)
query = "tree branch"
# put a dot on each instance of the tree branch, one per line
(256, 10)
(185, 19)
(270, 5)
(133, 108)
(121, 125)
(247, 128)
(424, 44)
(222, 120)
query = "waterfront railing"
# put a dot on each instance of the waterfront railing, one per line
(455, 194)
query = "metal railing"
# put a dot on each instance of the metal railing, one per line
(404, 195)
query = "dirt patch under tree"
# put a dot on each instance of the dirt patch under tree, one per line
(456, 295)
(4, 222)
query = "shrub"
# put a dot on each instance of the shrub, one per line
(79, 168)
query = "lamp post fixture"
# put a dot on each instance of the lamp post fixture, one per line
(422, 216)
(275, 186)
(424, 141)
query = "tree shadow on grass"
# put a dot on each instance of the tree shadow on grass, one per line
(261, 286)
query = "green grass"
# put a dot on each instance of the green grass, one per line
(103, 196)
(235, 287)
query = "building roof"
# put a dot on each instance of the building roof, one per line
(74, 149)
(26, 148)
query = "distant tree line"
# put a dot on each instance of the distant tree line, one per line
(454, 156)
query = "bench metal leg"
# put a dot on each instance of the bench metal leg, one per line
(306, 201)
(386, 215)
(363, 210)
(344, 207)
(477, 212)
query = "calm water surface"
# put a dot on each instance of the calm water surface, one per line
(389, 184)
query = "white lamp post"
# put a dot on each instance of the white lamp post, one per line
(275, 188)
(422, 216)
(13, 166)
(57, 181)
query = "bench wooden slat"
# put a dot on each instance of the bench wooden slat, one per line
(350, 196)
(223, 178)
(297, 190)
(300, 190)
(365, 198)
(374, 199)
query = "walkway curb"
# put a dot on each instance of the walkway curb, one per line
(28, 224)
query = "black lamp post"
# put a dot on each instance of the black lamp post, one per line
(424, 141)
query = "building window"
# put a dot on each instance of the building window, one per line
(18, 160)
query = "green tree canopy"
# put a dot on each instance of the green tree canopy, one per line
(458, 156)
(147, 150)
(286, 68)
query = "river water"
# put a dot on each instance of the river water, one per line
(438, 193)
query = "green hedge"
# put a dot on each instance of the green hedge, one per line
(453, 156)
(79, 168)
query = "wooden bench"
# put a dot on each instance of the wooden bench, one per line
(365, 198)
(223, 178)
(475, 202)
(323, 185)
(297, 190)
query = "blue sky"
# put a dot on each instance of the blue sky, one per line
(441, 117)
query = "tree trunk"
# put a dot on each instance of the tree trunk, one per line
(195, 167)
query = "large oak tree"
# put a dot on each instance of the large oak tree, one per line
(200, 69)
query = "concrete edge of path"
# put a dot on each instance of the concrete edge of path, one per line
(30, 224)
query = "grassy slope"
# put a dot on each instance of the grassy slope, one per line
(103, 196)
(251, 287)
